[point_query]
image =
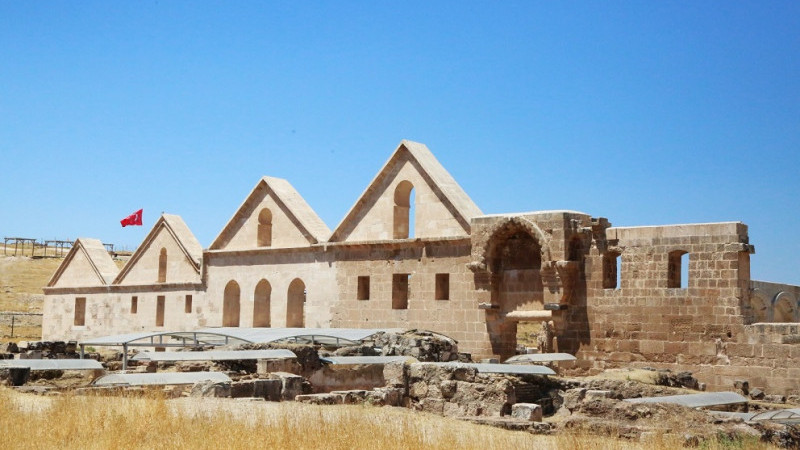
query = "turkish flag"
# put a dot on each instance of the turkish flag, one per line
(133, 219)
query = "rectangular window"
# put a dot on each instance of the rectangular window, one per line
(363, 288)
(442, 286)
(160, 311)
(187, 304)
(611, 271)
(134, 304)
(677, 269)
(80, 311)
(400, 291)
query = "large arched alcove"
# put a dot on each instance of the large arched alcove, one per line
(516, 265)
(295, 303)
(230, 305)
(261, 304)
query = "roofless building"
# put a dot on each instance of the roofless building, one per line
(414, 251)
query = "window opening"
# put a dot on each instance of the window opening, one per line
(611, 271)
(265, 228)
(400, 291)
(678, 269)
(442, 286)
(134, 304)
(80, 312)
(160, 304)
(162, 266)
(187, 304)
(403, 217)
(363, 288)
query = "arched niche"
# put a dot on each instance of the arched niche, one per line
(295, 304)
(231, 305)
(261, 304)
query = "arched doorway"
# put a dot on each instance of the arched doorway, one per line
(261, 304)
(230, 305)
(296, 298)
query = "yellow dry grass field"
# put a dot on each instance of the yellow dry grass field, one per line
(87, 422)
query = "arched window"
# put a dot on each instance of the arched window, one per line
(403, 217)
(230, 305)
(162, 266)
(261, 307)
(678, 269)
(295, 305)
(265, 228)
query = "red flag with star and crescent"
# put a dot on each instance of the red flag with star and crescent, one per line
(133, 219)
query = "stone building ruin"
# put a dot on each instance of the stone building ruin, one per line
(415, 252)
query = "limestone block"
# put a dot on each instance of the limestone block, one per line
(592, 394)
(211, 389)
(291, 384)
(396, 374)
(267, 389)
(387, 396)
(573, 398)
(352, 397)
(527, 411)
(320, 399)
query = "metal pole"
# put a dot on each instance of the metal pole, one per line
(124, 356)
(83, 351)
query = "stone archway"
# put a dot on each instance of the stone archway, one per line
(508, 268)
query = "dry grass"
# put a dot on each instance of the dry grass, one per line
(527, 333)
(96, 422)
(21, 281)
(35, 422)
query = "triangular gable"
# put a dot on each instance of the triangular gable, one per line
(184, 254)
(293, 221)
(445, 208)
(87, 264)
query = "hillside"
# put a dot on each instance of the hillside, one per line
(21, 281)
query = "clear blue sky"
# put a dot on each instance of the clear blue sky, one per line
(643, 112)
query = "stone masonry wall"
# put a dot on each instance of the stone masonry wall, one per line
(644, 322)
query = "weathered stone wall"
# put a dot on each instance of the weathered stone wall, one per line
(644, 322)
(457, 317)
(431, 217)
(773, 302)
(279, 267)
(179, 269)
(108, 311)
